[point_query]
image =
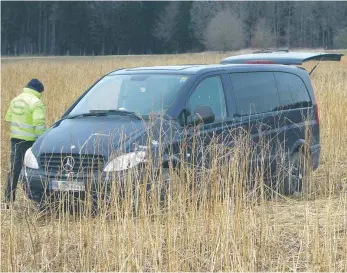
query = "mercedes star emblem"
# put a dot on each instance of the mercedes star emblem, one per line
(68, 163)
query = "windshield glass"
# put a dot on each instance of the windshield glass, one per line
(143, 94)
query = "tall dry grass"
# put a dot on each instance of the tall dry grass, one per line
(240, 232)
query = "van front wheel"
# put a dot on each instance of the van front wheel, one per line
(296, 173)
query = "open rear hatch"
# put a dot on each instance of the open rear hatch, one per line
(287, 58)
(280, 57)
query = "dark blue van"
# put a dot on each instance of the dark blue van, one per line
(106, 130)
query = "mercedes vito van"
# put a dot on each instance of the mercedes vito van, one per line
(265, 93)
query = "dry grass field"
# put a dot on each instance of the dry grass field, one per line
(233, 234)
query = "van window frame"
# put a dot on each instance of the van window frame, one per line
(304, 84)
(233, 94)
(235, 112)
(226, 91)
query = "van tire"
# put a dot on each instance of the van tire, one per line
(296, 172)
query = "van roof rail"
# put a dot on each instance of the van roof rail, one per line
(271, 50)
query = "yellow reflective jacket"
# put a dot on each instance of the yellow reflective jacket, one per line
(27, 115)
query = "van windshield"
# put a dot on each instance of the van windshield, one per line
(143, 94)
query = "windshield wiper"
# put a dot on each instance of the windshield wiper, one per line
(115, 111)
(104, 113)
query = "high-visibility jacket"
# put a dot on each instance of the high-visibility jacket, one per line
(27, 115)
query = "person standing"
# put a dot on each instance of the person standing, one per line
(27, 117)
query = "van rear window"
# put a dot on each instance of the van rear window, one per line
(255, 92)
(292, 91)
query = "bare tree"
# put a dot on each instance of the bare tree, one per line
(224, 32)
(340, 40)
(263, 37)
(53, 18)
(201, 14)
(164, 27)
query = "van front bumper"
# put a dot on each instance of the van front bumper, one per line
(38, 187)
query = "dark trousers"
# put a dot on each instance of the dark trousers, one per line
(18, 149)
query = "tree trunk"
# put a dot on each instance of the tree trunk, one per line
(288, 29)
(53, 31)
(45, 30)
(39, 42)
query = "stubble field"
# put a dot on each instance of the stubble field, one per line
(284, 234)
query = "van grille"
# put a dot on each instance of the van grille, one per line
(65, 163)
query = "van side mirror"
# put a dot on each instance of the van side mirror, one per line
(202, 114)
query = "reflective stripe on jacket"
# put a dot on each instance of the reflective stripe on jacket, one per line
(27, 115)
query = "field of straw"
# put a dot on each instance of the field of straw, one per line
(238, 233)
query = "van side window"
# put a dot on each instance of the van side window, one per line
(292, 91)
(209, 92)
(255, 92)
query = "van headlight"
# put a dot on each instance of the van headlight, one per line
(126, 161)
(30, 160)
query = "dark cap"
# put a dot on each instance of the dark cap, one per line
(36, 85)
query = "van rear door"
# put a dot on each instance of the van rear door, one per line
(286, 58)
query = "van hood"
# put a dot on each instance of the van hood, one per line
(90, 135)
